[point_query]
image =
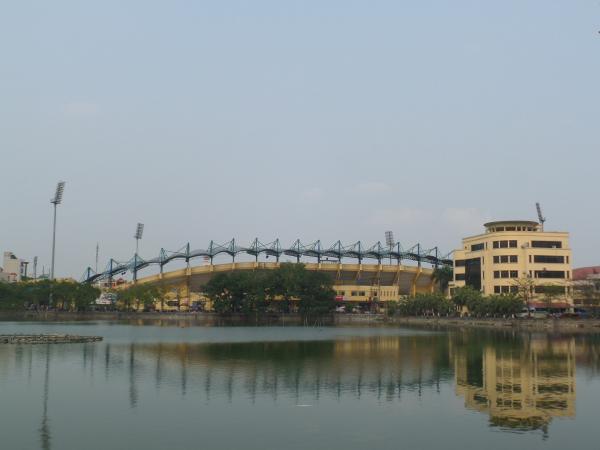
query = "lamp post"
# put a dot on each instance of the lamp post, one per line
(60, 187)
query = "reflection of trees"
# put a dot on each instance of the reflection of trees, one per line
(380, 366)
(521, 381)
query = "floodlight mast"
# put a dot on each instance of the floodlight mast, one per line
(389, 240)
(139, 231)
(541, 218)
(60, 187)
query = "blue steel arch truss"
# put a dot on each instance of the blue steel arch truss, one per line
(297, 250)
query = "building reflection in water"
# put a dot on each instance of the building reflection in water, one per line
(521, 383)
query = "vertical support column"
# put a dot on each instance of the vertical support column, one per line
(135, 258)
(413, 289)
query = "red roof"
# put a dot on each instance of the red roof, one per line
(583, 272)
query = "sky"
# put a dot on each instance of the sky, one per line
(331, 119)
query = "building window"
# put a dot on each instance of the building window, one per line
(496, 289)
(459, 263)
(504, 259)
(505, 244)
(477, 247)
(549, 274)
(550, 259)
(473, 273)
(506, 274)
(546, 244)
(459, 276)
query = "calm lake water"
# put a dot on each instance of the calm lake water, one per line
(167, 386)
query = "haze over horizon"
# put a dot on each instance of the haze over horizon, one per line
(311, 120)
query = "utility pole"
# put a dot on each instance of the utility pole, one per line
(97, 250)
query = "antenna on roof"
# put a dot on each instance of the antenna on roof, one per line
(541, 218)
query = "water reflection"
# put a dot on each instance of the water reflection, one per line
(521, 383)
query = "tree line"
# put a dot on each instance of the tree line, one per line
(478, 305)
(289, 288)
(41, 295)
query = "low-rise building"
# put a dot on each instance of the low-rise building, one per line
(586, 286)
(14, 269)
(517, 256)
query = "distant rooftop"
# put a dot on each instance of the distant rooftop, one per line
(530, 223)
(511, 225)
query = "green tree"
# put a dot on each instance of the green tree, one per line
(469, 297)
(551, 293)
(443, 276)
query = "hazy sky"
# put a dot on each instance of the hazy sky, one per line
(294, 119)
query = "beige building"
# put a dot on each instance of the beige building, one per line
(512, 255)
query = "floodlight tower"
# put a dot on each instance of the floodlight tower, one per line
(139, 231)
(389, 240)
(541, 218)
(60, 187)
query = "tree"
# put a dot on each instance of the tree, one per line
(316, 296)
(443, 276)
(551, 292)
(467, 297)
(525, 287)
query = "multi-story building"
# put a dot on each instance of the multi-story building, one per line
(13, 268)
(513, 256)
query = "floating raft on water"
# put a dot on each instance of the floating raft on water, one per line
(46, 339)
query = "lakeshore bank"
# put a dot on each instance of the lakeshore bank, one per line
(211, 319)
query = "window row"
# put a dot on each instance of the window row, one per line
(506, 274)
(357, 293)
(477, 247)
(522, 228)
(551, 274)
(506, 289)
(546, 244)
(549, 259)
(503, 259)
(505, 244)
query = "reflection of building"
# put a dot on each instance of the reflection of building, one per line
(13, 268)
(519, 387)
(509, 251)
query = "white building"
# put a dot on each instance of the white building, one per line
(13, 268)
